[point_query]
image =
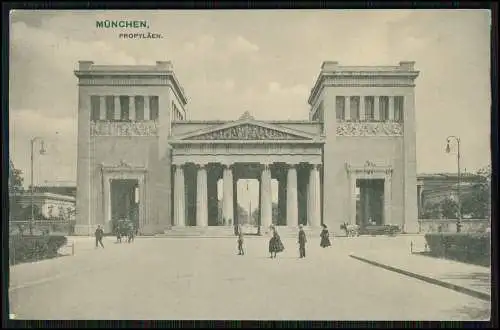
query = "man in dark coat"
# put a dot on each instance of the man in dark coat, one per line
(99, 234)
(302, 242)
(240, 242)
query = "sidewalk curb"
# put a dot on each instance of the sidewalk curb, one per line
(461, 289)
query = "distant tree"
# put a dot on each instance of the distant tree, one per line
(15, 186)
(242, 214)
(275, 212)
(449, 208)
(255, 216)
(15, 179)
(477, 203)
(432, 211)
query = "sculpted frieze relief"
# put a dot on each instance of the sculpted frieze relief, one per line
(132, 128)
(247, 132)
(369, 168)
(369, 129)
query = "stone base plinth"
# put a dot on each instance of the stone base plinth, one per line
(411, 227)
(85, 230)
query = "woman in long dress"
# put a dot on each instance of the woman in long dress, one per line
(325, 237)
(275, 244)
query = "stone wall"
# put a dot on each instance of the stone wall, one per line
(450, 225)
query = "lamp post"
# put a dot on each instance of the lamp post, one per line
(449, 139)
(42, 152)
(249, 206)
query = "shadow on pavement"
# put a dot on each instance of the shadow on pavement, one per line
(483, 263)
(477, 279)
(475, 313)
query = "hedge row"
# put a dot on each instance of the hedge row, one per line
(27, 248)
(472, 248)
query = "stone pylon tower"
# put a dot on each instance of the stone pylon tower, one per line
(369, 155)
(124, 159)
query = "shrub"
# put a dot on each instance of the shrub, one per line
(31, 248)
(472, 248)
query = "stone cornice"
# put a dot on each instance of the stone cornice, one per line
(127, 75)
(319, 141)
(47, 195)
(215, 122)
(245, 129)
(363, 76)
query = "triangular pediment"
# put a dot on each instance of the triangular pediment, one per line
(246, 129)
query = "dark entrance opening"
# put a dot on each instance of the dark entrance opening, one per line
(370, 204)
(125, 200)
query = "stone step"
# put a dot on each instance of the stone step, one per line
(228, 231)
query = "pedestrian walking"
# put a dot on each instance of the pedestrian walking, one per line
(325, 237)
(240, 243)
(275, 243)
(99, 234)
(302, 242)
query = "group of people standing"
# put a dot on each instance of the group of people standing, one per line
(276, 245)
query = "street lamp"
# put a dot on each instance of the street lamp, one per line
(42, 152)
(450, 139)
(249, 206)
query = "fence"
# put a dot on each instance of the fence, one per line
(41, 227)
(450, 225)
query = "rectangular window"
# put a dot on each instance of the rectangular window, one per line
(369, 108)
(153, 108)
(110, 108)
(384, 108)
(398, 108)
(139, 108)
(124, 108)
(340, 108)
(95, 107)
(354, 108)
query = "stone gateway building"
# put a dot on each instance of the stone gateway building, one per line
(353, 161)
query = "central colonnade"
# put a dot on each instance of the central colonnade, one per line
(195, 195)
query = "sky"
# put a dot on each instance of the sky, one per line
(263, 62)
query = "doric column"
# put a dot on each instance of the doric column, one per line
(352, 198)
(387, 197)
(179, 197)
(292, 210)
(142, 202)
(362, 116)
(235, 201)
(102, 107)
(146, 108)
(347, 107)
(367, 201)
(131, 107)
(314, 197)
(201, 197)
(266, 200)
(420, 193)
(107, 200)
(117, 108)
(282, 199)
(227, 202)
(391, 108)
(376, 108)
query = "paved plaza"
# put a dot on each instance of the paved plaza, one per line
(204, 278)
